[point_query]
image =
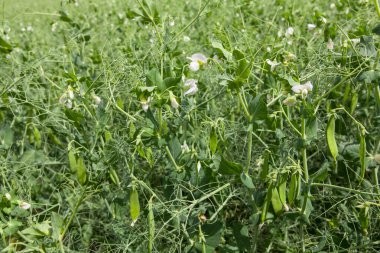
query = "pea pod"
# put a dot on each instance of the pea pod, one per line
(330, 135)
(294, 188)
(81, 171)
(276, 201)
(114, 177)
(37, 137)
(134, 206)
(72, 161)
(151, 226)
(362, 151)
(282, 192)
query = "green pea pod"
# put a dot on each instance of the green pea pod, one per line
(72, 161)
(107, 135)
(134, 205)
(266, 204)
(37, 137)
(282, 192)
(354, 102)
(293, 188)
(276, 201)
(114, 177)
(81, 171)
(330, 135)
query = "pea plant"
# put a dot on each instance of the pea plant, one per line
(190, 126)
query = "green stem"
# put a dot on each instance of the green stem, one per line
(172, 159)
(304, 159)
(345, 189)
(245, 107)
(249, 149)
(79, 201)
(377, 7)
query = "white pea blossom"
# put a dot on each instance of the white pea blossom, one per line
(54, 27)
(192, 86)
(70, 92)
(29, 28)
(186, 38)
(171, 23)
(185, 148)
(324, 20)
(330, 45)
(290, 101)
(272, 64)
(302, 89)
(173, 100)
(197, 60)
(311, 27)
(289, 32)
(96, 99)
(355, 41)
(199, 166)
(24, 205)
(8, 196)
(145, 104)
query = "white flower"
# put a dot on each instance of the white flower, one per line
(6, 37)
(96, 99)
(302, 88)
(311, 27)
(173, 101)
(8, 56)
(8, 196)
(324, 20)
(171, 23)
(24, 205)
(193, 88)
(332, 6)
(355, 41)
(330, 45)
(272, 64)
(29, 28)
(145, 104)
(186, 38)
(199, 166)
(54, 27)
(70, 92)
(289, 32)
(64, 100)
(194, 66)
(279, 33)
(185, 148)
(197, 60)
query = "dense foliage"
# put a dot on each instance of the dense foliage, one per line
(190, 126)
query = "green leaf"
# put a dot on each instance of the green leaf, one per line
(171, 81)
(175, 147)
(229, 168)
(322, 173)
(81, 171)
(370, 76)
(12, 227)
(330, 135)
(213, 233)
(311, 128)
(376, 29)
(213, 140)
(134, 205)
(153, 78)
(247, 180)
(57, 225)
(242, 238)
(219, 47)
(258, 108)
(5, 47)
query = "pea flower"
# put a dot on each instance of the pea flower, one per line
(8, 196)
(272, 64)
(145, 103)
(290, 101)
(289, 32)
(330, 45)
(24, 205)
(197, 60)
(303, 88)
(173, 101)
(96, 99)
(311, 27)
(193, 88)
(186, 38)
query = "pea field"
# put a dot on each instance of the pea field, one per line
(204, 126)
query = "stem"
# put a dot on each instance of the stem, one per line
(304, 159)
(249, 149)
(245, 107)
(79, 201)
(377, 7)
(345, 189)
(172, 159)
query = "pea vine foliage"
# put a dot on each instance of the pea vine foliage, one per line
(209, 150)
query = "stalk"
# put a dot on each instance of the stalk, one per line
(304, 158)
(249, 149)
(376, 2)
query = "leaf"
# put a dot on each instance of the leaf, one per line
(213, 141)
(12, 227)
(213, 233)
(219, 47)
(370, 76)
(175, 147)
(247, 180)
(242, 238)
(57, 225)
(81, 171)
(153, 78)
(376, 29)
(171, 81)
(229, 168)
(311, 127)
(258, 108)
(134, 205)
(5, 47)
(322, 173)
(330, 135)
